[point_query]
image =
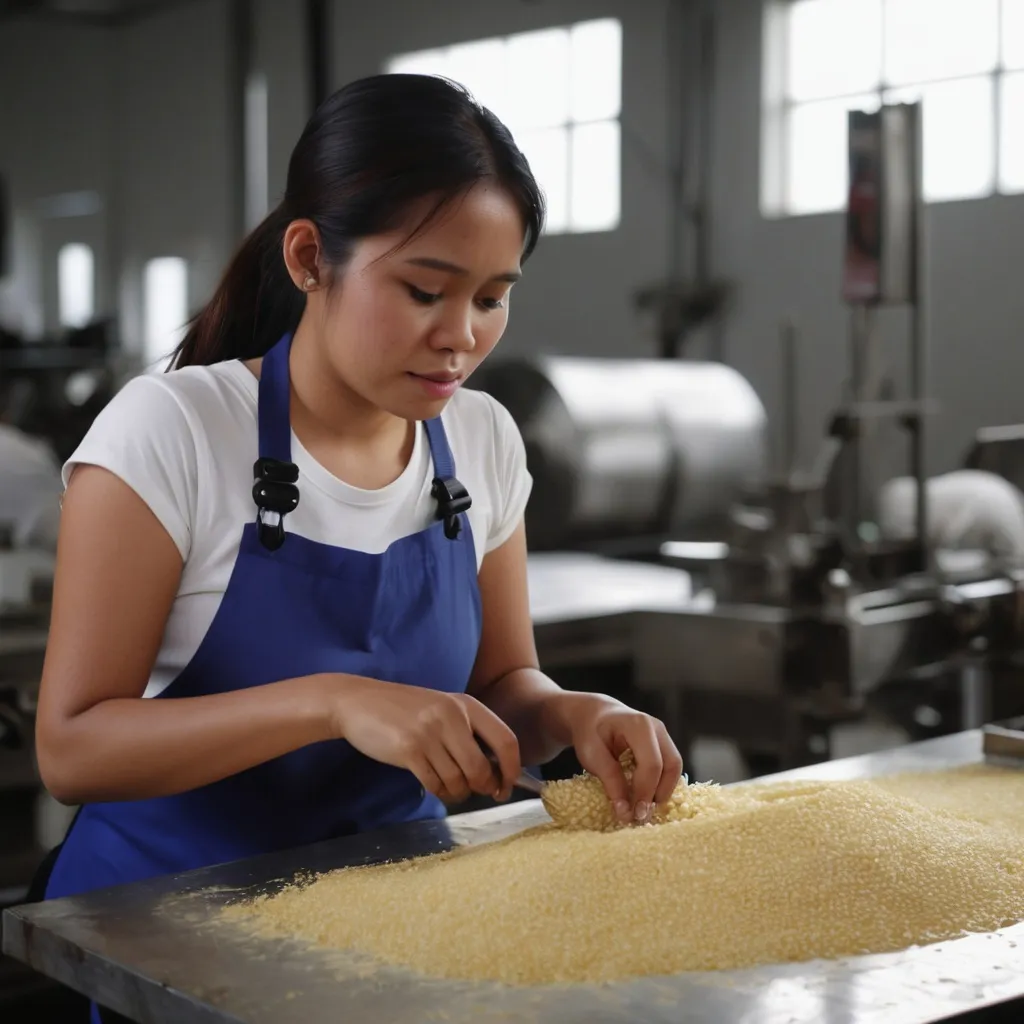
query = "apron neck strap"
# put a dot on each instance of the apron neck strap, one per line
(275, 491)
(275, 403)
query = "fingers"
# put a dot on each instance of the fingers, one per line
(639, 734)
(671, 764)
(428, 778)
(472, 762)
(596, 757)
(451, 773)
(501, 741)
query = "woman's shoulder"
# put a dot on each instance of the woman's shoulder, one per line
(476, 417)
(200, 387)
(193, 399)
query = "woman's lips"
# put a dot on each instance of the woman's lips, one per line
(439, 385)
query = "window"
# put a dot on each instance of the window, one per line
(75, 285)
(964, 59)
(559, 90)
(165, 291)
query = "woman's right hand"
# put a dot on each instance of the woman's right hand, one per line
(433, 734)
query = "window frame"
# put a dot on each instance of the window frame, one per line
(776, 199)
(566, 128)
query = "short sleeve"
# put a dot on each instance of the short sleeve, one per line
(515, 482)
(143, 437)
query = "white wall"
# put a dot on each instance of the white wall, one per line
(173, 176)
(575, 296)
(794, 266)
(139, 115)
(279, 46)
(55, 137)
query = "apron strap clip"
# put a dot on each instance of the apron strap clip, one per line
(274, 492)
(452, 498)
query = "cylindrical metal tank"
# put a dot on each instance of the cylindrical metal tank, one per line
(628, 448)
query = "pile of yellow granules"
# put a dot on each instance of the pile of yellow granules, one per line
(731, 877)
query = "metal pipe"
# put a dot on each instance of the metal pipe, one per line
(974, 694)
(318, 51)
(240, 61)
(919, 349)
(788, 336)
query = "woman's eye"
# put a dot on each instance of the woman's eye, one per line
(425, 298)
(492, 303)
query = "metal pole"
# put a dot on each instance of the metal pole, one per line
(790, 416)
(858, 342)
(240, 61)
(317, 51)
(919, 348)
(974, 693)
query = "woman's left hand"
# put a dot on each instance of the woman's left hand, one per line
(600, 729)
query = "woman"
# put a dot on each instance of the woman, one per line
(327, 650)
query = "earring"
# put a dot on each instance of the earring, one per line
(309, 284)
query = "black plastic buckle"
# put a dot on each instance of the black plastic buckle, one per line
(274, 491)
(452, 498)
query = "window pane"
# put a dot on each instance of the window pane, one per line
(959, 139)
(548, 153)
(931, 39)
(166, 306)
(480, 67)
(1011, 172)
(594, 188)
(817, 154)
(538, 64)
(75, 285)
(595, 68)
(423, 62)
(1013, 33)
(834, 47)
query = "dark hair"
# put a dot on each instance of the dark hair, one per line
(367, 154)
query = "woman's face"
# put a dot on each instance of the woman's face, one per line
(411, 322)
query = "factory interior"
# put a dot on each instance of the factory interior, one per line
(767, 368)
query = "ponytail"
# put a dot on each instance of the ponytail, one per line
(255, 303)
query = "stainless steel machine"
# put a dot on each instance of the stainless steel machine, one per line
(788, 622)
(625, 453)
(801, 616)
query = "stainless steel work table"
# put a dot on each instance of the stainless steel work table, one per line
(148, 950)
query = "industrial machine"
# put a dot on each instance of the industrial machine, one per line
(801, 617)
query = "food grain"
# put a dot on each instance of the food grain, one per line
(731, 877)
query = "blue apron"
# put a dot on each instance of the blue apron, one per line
(294, 607)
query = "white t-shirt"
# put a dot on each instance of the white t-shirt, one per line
(186, 442)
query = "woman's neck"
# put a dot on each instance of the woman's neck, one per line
(357, 441)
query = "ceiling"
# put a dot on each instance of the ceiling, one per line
(99, 12)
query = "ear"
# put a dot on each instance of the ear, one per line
(302, 255)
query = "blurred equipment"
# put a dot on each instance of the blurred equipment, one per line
(968, 509)
(30, 490)
(1004, 741)
(628, 453)
(53, 389)
(804, 615)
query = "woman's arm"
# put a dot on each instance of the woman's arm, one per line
(118, 572)
(117, 575)
(545, 718)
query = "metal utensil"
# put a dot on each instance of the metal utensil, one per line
(530, 783)
(1004, 740)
